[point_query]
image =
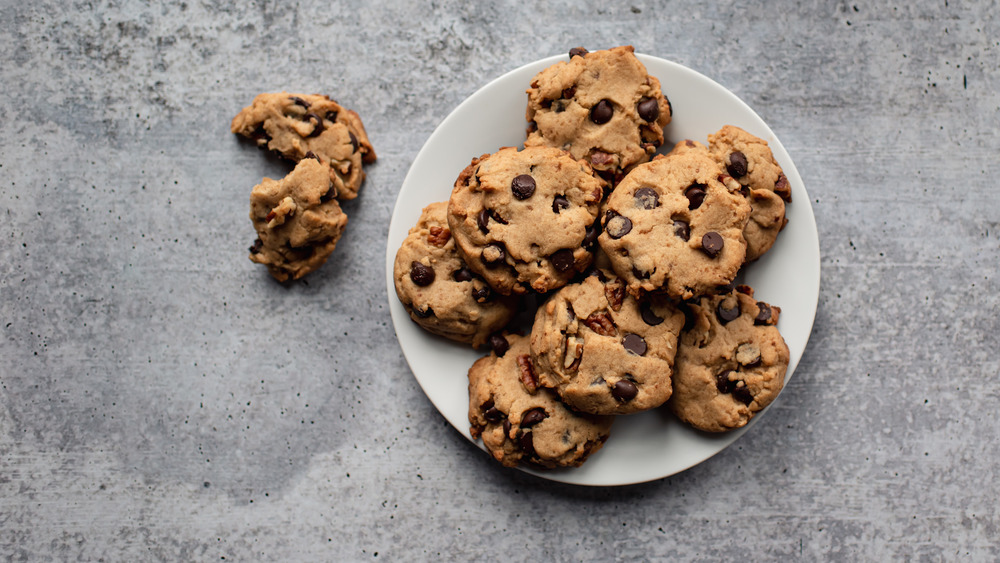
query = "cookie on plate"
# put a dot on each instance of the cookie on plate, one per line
(298, 126)
(602, 350)
(748, 159)
(439, 291)
(297, 219)
(731, 362)
(676, 224)
(601, 106)
(520, 422)
(524, 220)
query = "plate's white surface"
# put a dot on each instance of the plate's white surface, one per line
(644, 446)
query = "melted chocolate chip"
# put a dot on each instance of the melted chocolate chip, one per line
(639, 274)
(527, 444)
(420, 274)
(312, 155)
(578, 52)
(648, 316)
(763, 314)
(491, 413)
(616, 225)
(483, 220)
(737, 166)
(743, 395)
(481, 294)
(499, 344)
(602, 112)
(331, 116)
(317, 122)
(682, 230)
(725, 314)
(354, 142)
(649, 109)
(523, 186)
(299, 101)
(423, 314)
(493, 254)
(711, 244)
(533, 417)
(634, 344)
(647, 198)
(462, 275)
(593, 231)
(559, 203)
(562, 260)
(722, 382)
(696, 195)
(624, 390)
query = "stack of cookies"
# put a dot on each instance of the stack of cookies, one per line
(624, 259)
(298, 219)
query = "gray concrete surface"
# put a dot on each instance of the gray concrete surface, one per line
(161, 398)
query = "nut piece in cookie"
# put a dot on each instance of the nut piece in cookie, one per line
(524, 220)
(604, 351)
(299, 126)
(519, 423)
(731, 362)
(439, 291)
(298, 221)
(601, 106)
(676, 224)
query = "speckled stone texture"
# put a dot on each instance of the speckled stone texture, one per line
(161, 397)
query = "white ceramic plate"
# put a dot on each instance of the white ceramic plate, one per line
(648, 445)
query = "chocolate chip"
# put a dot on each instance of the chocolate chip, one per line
(722, 382)
(423, 314)
(559, 203)
(483, 220)
(602, 112)
(682, 230)
(481, 294)
(649, 109)
(763, 314)
(634, 344)
(593, 231)
(462, 275)
(711, 244)
(523, 186)
(624, 390)
(569, 92)
(648, 316)
(696, 195)
(527, 444)
(616, 225)
(506, 427)
(562, 260)
(578, 52)
(491, 413)
(647, 198)
(725, 314)
(331, 193)
(639, 274)
(737, 166)
(743, 395)
(354, 142)
(317, 124)
(533, 417)
(493, 254)
(420, 274)
(331, 116)
(299, 101)
(499, 345)
(782, 188)
(257, 246)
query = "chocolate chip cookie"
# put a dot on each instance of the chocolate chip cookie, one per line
(299, 126)
(520, 422)
(298, 221)
(676, 224)
(525, 220)
(439, 291)
(602, 107)
(602, 350)
(731, 361)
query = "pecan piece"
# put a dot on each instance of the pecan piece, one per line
(601, 323)
(528, 378)
(438, 236)
(615, 293)
(574, 353)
